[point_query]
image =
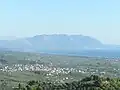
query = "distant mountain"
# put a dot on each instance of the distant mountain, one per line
(63, 42)
(56, 42)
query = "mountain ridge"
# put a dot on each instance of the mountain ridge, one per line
(45, 42)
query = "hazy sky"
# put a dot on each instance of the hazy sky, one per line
(97, 18)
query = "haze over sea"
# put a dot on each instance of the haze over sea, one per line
(89, 53)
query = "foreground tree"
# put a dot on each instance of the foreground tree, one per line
(89, 83)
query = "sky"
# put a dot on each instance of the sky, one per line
(97, 18)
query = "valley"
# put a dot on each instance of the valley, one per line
(20, 67)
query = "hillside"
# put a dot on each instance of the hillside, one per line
(88, 83)
(52, 42)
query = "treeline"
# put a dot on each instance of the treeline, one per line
(93, 82)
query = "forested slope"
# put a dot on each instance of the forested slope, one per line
(89, 83)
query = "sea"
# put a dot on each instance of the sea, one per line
(89, 53)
